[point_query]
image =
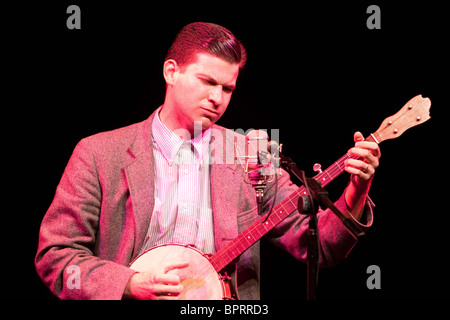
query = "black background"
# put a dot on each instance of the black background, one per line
(314, 71)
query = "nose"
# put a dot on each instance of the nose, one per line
(215, 95)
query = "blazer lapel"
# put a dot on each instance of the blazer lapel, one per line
(225, 186)
(140, 174)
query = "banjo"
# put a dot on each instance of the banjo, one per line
(202, 278)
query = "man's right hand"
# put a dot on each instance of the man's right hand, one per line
(152, 285)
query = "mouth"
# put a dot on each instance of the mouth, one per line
(210, 113)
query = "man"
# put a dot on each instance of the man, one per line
(166, 180)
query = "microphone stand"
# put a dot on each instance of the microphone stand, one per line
(308, 205)
(259, 187)
(258, 179)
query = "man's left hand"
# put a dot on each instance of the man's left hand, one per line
(362, 170)
(368, 154)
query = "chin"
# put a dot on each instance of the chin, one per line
(206, 123)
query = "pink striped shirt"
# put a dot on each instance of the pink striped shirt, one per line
(182, 212)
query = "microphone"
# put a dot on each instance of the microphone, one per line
(259, 167)
(275, 151)
(256, 154)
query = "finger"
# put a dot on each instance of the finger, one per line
(180, 265)
(163, 289)
(358, 172)
(358, 136)
(166, 292)
(362, 143)
(361, 173)
(364, 155)
(359, 165)
(170, 296)
(372, 146)
(166, 279)
(173, 298)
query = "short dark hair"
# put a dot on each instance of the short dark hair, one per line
(208, 38)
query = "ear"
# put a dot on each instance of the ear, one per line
(170, 71)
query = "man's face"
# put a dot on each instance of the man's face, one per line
(202, 90)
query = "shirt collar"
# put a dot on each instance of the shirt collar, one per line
(169, 143)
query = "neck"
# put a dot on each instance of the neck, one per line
(179, 124)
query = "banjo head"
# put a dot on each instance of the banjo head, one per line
(199, 279)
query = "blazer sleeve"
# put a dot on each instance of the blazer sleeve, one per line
(291, 234)
(65, 258)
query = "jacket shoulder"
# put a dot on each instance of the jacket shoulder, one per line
(134, 138)
(120, 136)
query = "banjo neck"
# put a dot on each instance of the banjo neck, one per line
(414, 112)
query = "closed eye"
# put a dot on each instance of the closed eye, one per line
(209, 82)
(228, 89)
(212, 82)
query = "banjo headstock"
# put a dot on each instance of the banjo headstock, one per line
(413, 113)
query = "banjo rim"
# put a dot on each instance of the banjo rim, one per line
(220, 282)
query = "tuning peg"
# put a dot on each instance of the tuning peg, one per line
(317, 167)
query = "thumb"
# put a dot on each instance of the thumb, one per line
(358, 136)
(174, 266)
